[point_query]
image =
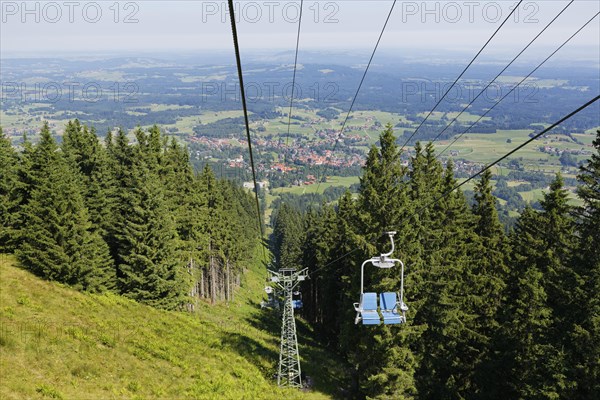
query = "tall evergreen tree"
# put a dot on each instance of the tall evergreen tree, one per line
(489, 273)
(58, 240)
(346, 242)
(537, 316)
(213, 203)
(149, 266)
(528, 362)
(382, 204)
(288, 235)
(186, 199)
(323, 292)
(561, 279)
(585, 350)
(82, 148)
(10, 196)
(449, 346)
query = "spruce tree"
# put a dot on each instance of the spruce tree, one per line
(287, 237)
(58, 240)
(561, 279)
(489, 273)
(528, 363)
(44, 154)
(584, 353)
(450, 345)
(322, 293)
(82, 148)
(346, 243)
(10, 196)
(148, 260)
(213, 202)
(382, 204)
(188, 201)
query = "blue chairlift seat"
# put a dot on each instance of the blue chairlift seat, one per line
(297, 304)
(389, 309)
(367, 309)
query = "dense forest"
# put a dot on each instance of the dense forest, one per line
(132, 218)
(492, 315)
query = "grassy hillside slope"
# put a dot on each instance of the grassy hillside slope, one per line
(56, 342)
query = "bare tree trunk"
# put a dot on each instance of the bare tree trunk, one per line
(213, 286)
(221, 284)
(213, 282)
(202, 282)
(193, 290)
(227, 287)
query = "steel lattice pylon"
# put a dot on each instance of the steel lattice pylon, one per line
(289, 358)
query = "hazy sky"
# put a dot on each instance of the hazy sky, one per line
(152, 25)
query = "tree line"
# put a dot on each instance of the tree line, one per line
(133, 218)
(492, 315)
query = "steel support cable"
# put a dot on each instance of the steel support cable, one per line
(517, 85)
(320, 178)
(293, 88)
(490, 165)
(461, 74)
(244, 106)
(447, 193)
(501, 72)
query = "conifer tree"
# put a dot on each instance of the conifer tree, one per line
(584, 353)
(323, 292)
(528, 363)
(83, 149)
(489, 273)
(187, 200)
(561, 279)
(449, 344)
(10, 196)
(213, 203)
(541, 303)
(145, 235)
(382, 203)
(381, 189)
(44, 154)
(25, 185)
(58, 240)
(346, 242)
(287, 237)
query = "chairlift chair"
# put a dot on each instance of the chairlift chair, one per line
(392, 306)
(297, 300)
(271, 299)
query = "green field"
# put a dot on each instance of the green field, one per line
(58, 343)
(310, 189)
(485, 148)
(367, 124)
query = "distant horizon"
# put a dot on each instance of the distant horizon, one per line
(566, 57)
(42, 27)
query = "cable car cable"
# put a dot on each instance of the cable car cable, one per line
(501, 72)
(461, 74)
(244, 106)
(517, 85)
(356, 95)
(293, 88)
(563, 119)
(560, 121)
